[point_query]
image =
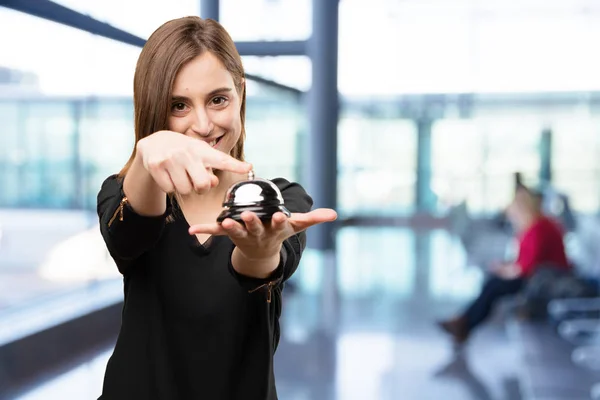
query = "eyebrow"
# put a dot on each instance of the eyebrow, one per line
(210, 94)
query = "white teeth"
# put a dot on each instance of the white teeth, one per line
(213, 143)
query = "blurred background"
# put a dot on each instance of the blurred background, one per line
(409, 117)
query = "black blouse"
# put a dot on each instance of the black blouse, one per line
(192, 327)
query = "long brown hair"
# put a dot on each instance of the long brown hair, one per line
(170, 47)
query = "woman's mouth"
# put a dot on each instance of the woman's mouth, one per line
(214, 142)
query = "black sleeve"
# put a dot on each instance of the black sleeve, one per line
(127, 234)
(296, 200)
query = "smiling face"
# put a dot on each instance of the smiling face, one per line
(205, 103)
(189, 78)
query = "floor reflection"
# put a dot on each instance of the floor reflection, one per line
(83, 382)
(390, 285)
(458, 369)
(360, 325)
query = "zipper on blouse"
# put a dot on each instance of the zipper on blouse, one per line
(118, 211)
(269, 286)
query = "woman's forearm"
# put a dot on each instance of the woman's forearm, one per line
(255, 268)
(143, 194)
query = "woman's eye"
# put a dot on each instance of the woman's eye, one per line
(219, 101)
(179, 107)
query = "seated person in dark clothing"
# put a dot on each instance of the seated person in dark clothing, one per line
(540, 243)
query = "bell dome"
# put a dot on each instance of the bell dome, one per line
(258, 195)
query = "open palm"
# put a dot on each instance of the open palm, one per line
(257, 239)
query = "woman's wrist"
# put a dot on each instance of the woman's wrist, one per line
(255, 266)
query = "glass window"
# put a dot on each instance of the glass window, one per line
(293, 71)
(48, 147)
(11, 158)
(62, 61)
(107, 140)
(430, 51)
(475, 160)
(441, 47)
(247, 20)
(125, 14)
(274, 127)
(48, 95)
(456, 177)
(534, 50)
(251, 20)
(377, 161)
(575, 154)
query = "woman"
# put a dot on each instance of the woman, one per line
(540, 244)
(202, 300)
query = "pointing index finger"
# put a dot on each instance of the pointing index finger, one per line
(217, 159)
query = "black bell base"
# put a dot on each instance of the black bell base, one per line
(264, 213)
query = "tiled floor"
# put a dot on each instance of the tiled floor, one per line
(361, 326)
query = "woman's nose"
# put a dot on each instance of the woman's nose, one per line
(202, 125)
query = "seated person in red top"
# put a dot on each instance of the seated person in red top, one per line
(540, 244)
